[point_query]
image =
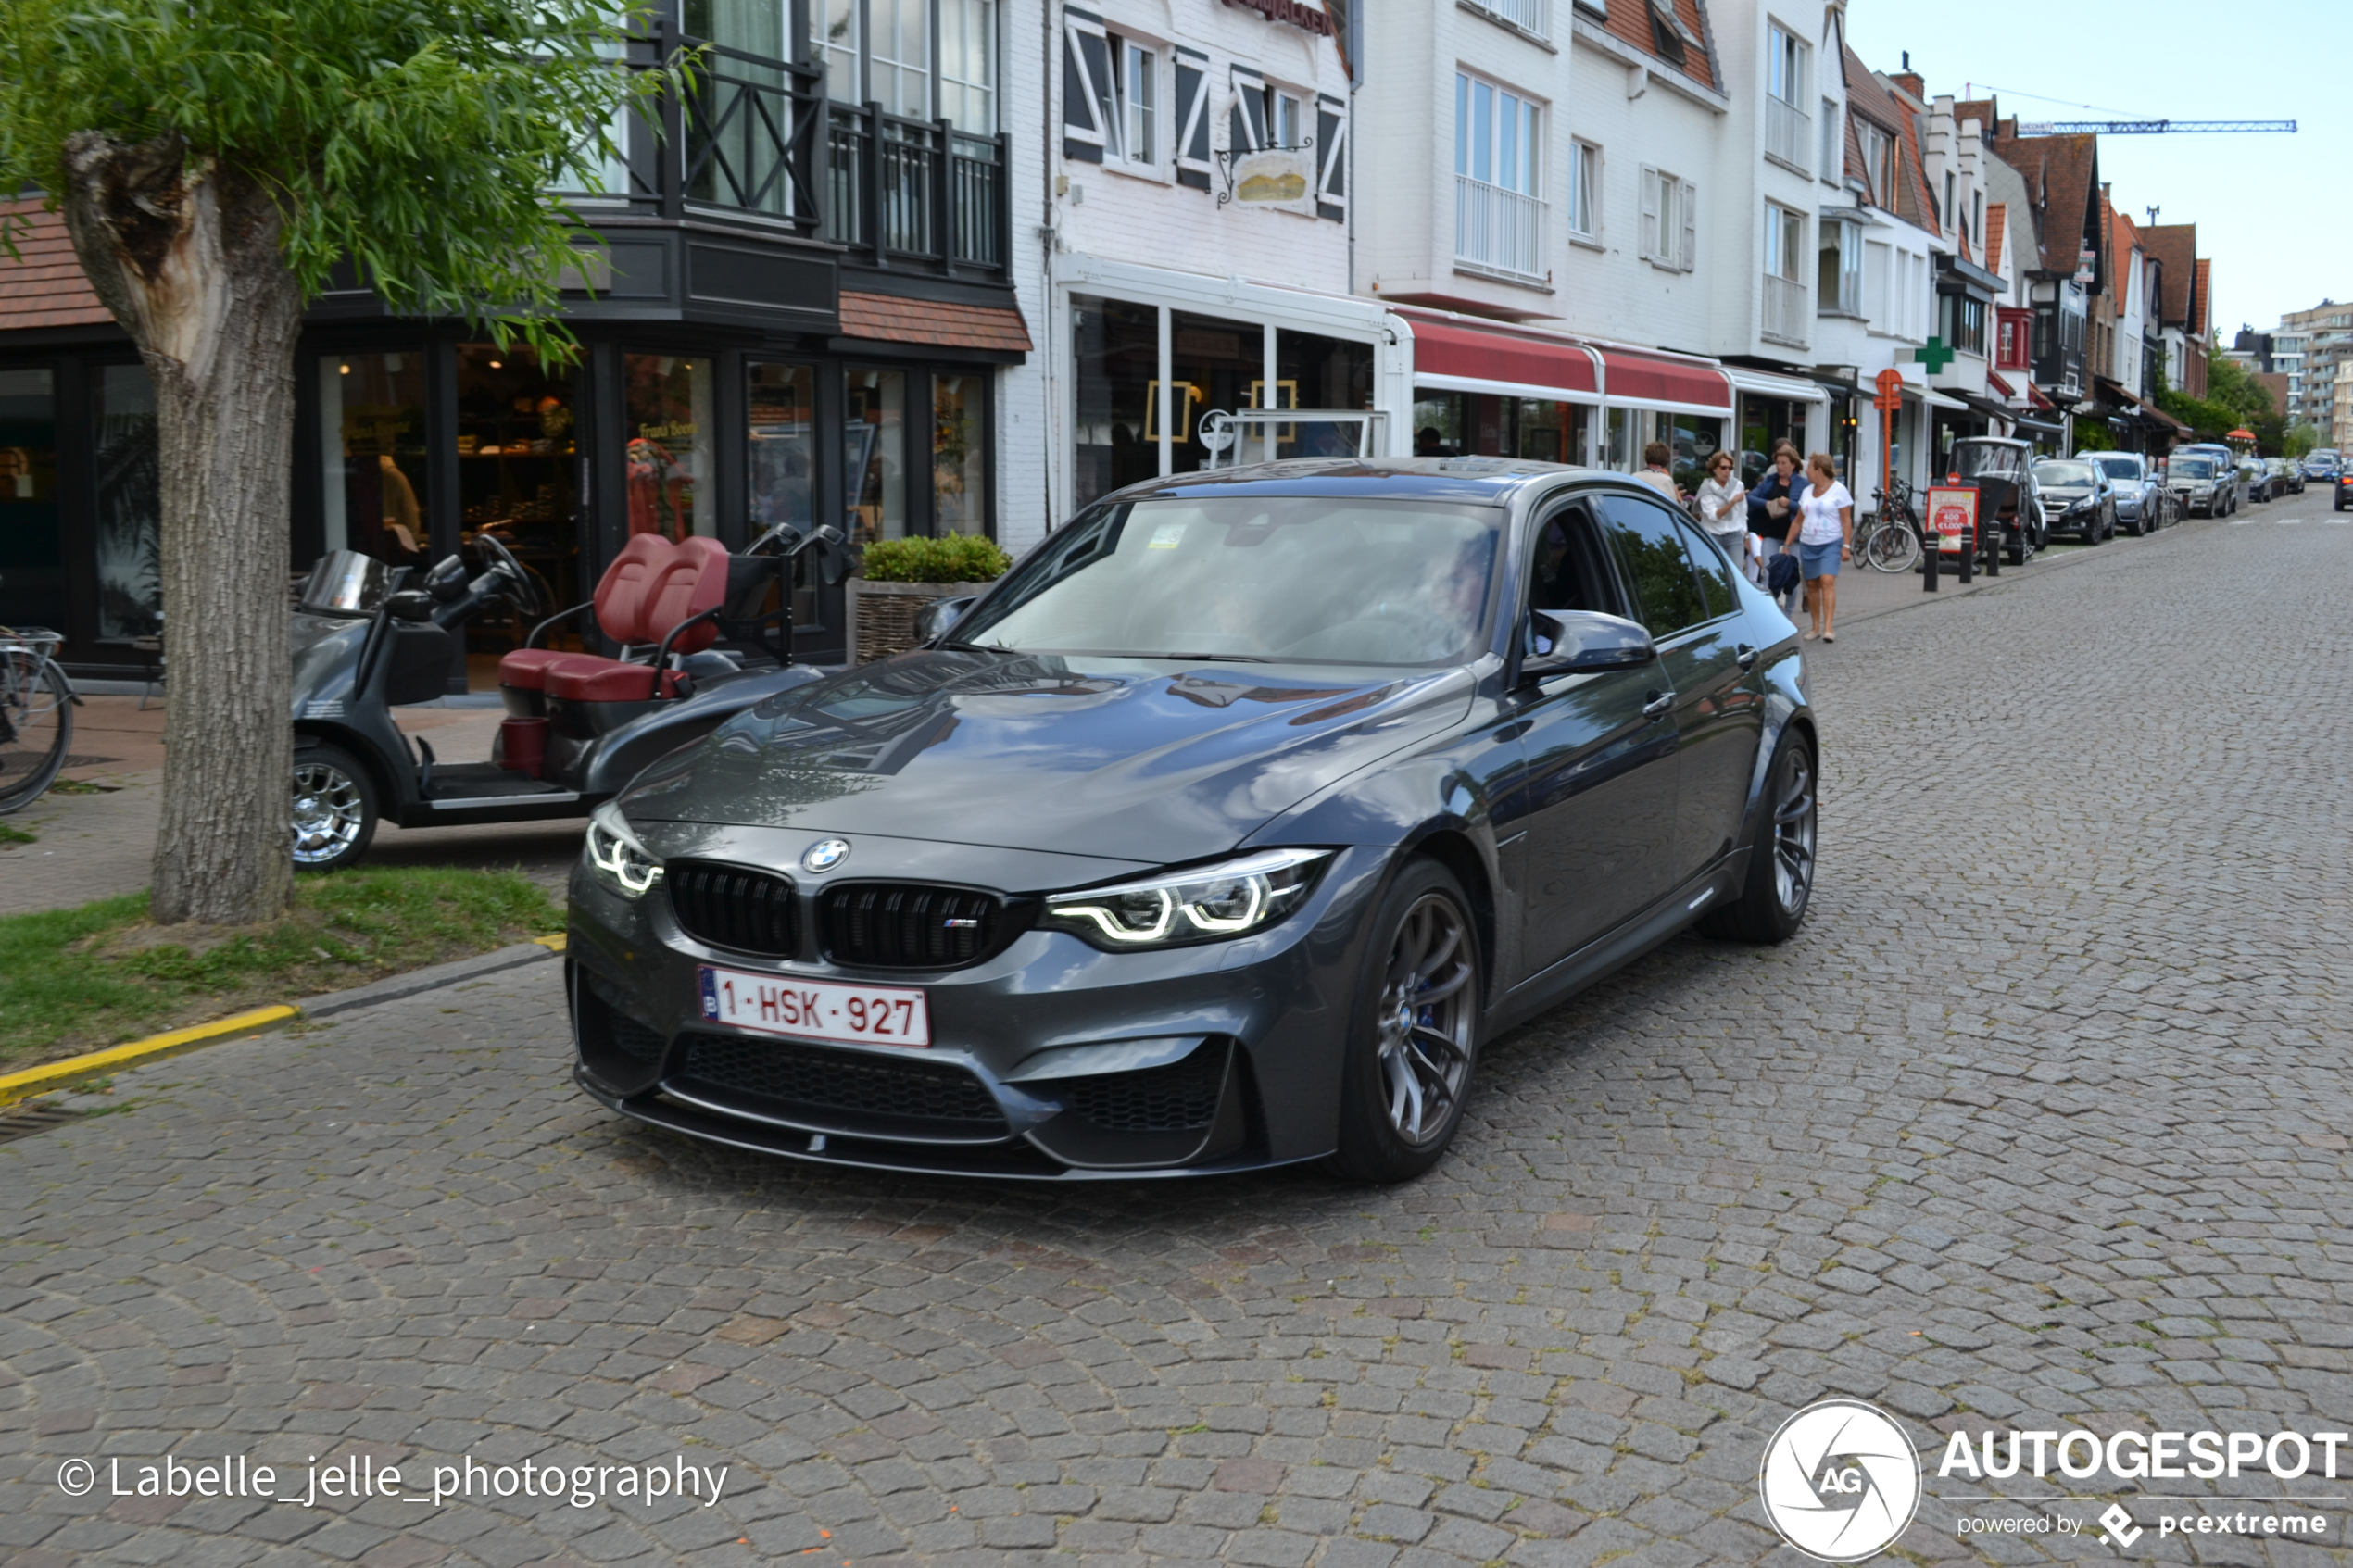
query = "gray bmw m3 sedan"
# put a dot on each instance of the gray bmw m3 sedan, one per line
(1219, 833)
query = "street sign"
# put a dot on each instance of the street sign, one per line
(1891, 391)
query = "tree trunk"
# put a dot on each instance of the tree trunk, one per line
(185, 253)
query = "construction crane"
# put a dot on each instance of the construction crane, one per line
(2145, 127)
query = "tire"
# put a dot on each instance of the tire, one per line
(37, 718)
(1415, 1038)
(1781, 857)
(1892, 549)
(334, 808)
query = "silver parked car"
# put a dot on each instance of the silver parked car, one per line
(2140, 498)
(2200, 485)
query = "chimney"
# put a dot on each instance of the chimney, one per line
(1910, 80)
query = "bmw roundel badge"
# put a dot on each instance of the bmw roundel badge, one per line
(824, 855)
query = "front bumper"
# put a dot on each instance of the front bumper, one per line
(1050, 1061)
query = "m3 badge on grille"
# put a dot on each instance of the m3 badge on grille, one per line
(824, 855)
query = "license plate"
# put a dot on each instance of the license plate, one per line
(816, 1010)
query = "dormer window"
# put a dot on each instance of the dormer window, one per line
(1667, 35)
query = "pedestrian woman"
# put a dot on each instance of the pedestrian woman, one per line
(1655, 473)
(1822, 534)
(1723, 508)
(1770, 510)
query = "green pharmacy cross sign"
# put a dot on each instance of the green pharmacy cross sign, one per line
(1934, 354)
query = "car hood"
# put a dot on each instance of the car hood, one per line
(2066, 491)
(1133, 758)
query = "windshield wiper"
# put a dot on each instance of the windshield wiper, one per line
(975, 647)
(1218, 658)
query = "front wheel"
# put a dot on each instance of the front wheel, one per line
(1780, 883)
(36, 727)
(335, 808)
(1415, 1039)
(1894, 547)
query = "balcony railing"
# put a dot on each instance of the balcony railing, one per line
(1499, 231)
(1789, 134)
(1784, 311)
(1528, 16)
(757, 138)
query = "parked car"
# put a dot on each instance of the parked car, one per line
(2255, 479)
(2140, 498)
(2321, 464)
(2288, 477)
(2226, 463)
(2200, 485)
(2077, 497)
(1219, 833)
(2341, 492)
(2003, 472)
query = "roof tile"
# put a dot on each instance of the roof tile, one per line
(43, 286)
(889, 319)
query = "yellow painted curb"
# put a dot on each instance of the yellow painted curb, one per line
(553, 944)
(14, 1087)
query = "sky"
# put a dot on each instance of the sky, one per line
(2269, 208)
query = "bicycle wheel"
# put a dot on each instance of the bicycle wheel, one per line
(1892, 548)
(36, 725)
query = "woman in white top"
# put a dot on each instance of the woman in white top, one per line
(1822, 533)
(1723, 506)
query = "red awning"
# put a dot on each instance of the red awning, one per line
(1638, 378)
(1998, 385)
(1449, 348)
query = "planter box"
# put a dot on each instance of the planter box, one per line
(882, 615)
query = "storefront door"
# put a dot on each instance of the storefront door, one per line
(516, 451)
(32, 574)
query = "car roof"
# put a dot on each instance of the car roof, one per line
(1478, 481)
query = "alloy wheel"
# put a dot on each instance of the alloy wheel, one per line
(1793, 816)
(329, 813)
(1426, 1018)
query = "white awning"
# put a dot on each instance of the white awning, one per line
(1764, 383)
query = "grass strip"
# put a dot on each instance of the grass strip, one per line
(80, 979)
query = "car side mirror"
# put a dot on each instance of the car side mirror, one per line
(409, 604)
(938, 618)
(1567, 642)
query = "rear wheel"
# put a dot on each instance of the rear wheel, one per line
(1780, 883)
(334, 808)
(36, 727)
(1415, 1040)
(1894, 547)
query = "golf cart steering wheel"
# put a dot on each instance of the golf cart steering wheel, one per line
(523, 587)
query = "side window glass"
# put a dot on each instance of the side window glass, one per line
(1648, 542)
(1568, 571)
(1713, 570)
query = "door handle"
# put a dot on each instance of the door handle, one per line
(1658, 704)
(1746, 658)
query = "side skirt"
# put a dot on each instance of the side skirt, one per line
(1719, 882)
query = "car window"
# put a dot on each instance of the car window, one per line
(2062, 473)
(1714, 570)
(1569, 570)
(1647, 539)
(2120, 468)
(2192, 468)
(1972, 459)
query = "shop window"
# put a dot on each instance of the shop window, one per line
(1694, 439)
(1312, 371)
(781, 416)
(33, 578)
(1217, 364)
(667, 405)
(128, 485)
(874, 454)
(515, 473)
(1551, 432)
(1116, 346)
(1440, 420)
(958, 455)
(371, 456)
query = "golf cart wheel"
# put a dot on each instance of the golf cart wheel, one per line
(334, 807)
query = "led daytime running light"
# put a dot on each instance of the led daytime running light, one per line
(614, 851)
(1192, 906)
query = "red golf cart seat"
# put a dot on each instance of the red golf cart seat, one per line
(649, 589)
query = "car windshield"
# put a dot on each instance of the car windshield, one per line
(2122, 468)
(2192, 468)
(1316, 579)
(2061, 474)
(1977, 459)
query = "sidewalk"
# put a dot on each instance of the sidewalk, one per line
(96, 846)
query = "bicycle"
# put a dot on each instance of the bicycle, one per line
(37, 715)
(1891, 540)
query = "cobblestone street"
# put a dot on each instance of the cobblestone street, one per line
(2040, 1121)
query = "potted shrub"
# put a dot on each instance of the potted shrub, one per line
(897, 577)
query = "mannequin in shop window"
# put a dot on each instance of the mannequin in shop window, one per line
(660, 492)
(403, 524)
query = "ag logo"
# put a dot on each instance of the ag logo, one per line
(1840, 1481)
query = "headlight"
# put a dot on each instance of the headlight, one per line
(1207, 904)
(620, 861)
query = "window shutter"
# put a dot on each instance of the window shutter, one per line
(1193, 163)
(1085, 87)
(1331, 152)
(1648, 248)
(1689, 197)
(1246, 130)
